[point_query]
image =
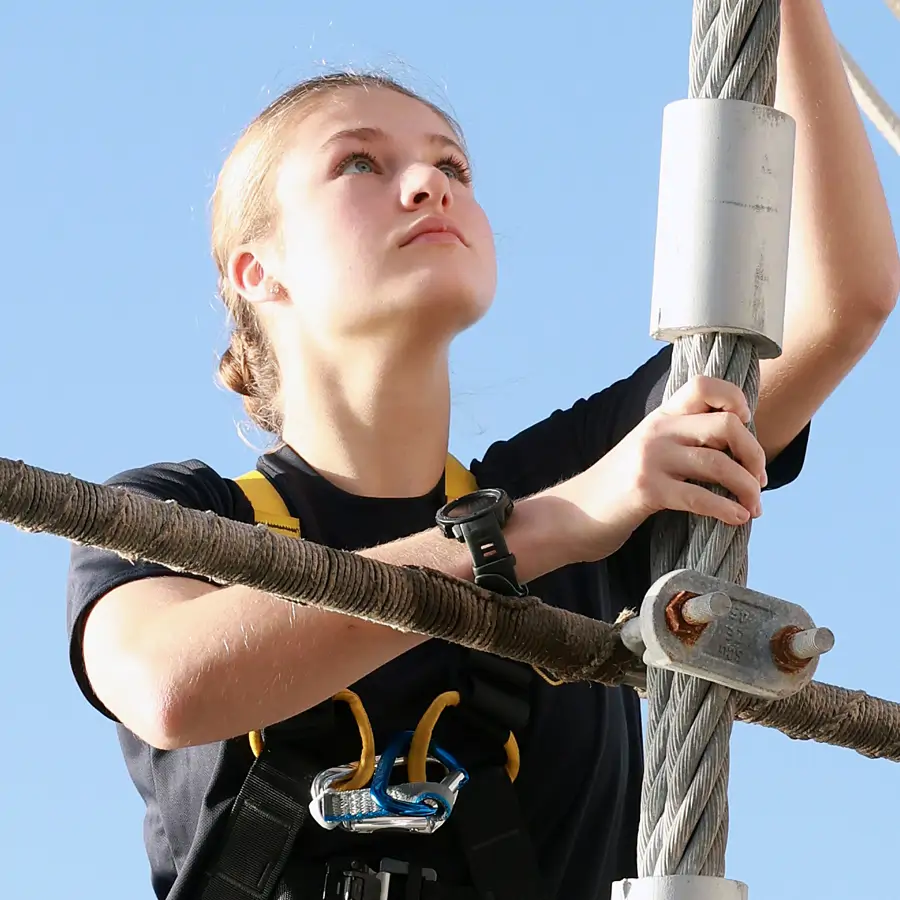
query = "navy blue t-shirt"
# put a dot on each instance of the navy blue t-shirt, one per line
(579, 784)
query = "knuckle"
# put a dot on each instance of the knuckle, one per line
(699, 385)
(652, 429)
(717, 465)
(725, 472)
(646, 487)
(731, 423)
(694, 503)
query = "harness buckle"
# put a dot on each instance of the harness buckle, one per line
(353, 880)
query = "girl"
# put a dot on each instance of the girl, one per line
(351, 251)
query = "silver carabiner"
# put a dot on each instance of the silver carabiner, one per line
(360, 810)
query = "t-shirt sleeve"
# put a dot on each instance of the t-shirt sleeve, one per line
(571, 440)
(94, 572)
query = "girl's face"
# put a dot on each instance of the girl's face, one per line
(380, 234)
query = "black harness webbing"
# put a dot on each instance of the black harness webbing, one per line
(257, 859)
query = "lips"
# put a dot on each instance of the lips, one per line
(433, 230)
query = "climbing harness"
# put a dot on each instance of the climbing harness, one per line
(283, 790)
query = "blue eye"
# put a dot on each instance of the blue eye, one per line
(357, 164)
(456, 168)
(362, 165)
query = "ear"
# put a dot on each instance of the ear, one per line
(249, 276)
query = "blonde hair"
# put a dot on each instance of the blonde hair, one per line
(244, 210)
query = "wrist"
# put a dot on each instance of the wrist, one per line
(478, 520)
(544, 534)
(597, 521)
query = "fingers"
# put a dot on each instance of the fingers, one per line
(702, 394)
(710, 466)
(692, 498)
(700, 437)
(724, 431)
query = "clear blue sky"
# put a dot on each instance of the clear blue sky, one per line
(114, 125)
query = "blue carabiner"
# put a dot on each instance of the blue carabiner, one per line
(418, 807)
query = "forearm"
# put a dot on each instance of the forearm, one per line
(232, 660)
(545, 532)
(846, 253)
(843, 273)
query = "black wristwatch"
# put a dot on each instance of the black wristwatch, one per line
(478, 519)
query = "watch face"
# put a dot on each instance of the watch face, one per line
(471, 506)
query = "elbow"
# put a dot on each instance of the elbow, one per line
(871, 307)
(893, 290)
(885, 286)
(884, 293)
(162, 720)
(149, 683)
(172, 710)
(149, 700)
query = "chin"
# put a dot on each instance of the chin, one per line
(450, 313)
(441, 305)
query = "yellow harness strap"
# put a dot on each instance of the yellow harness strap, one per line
(458, 480)
(268, 507)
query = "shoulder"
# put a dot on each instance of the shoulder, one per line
(94, 572)
(191, 483)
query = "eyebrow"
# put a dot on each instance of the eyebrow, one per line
(376, 134)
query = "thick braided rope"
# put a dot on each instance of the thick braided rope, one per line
(567, 646)
(684, 804)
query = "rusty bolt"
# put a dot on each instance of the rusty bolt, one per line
(793, 648)
(707, 607)
(688, 614)
(810, 643)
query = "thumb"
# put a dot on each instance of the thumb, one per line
(703, 394)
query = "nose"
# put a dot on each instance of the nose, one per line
(423, 185)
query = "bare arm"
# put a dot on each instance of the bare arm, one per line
(182, 662)
(843, 272)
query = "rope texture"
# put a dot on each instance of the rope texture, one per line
(569, 646)
(564, 645)
(684, 802)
